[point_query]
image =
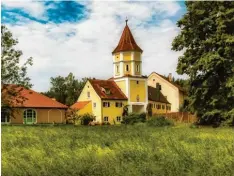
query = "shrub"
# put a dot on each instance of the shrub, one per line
(134, 118)
(86, 119)
(159, 122)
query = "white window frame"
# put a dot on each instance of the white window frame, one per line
(5, 122)
(88, 94)
(104, 119)
(26, 116)
(118, 104)
(106, 104)
(94, 105)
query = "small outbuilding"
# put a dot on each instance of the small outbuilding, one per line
(30, 107)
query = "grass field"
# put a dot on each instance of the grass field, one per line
(117, 150)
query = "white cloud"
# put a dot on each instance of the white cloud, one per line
(36, 9)
(88, 52)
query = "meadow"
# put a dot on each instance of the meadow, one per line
(117, 150)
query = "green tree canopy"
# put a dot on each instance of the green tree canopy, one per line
(207, 39)
(67, 89)
(12, 72)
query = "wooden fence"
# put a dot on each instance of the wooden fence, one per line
(179, 116)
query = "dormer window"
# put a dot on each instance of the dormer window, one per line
(106, 90)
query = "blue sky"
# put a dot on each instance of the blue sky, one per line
(78, 37)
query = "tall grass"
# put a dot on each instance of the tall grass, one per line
(116, 150)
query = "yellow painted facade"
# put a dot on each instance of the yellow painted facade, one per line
(43, 115)
(117, 57)
(137, 91)
(127, 56)
(86, 109)
(113, 112)
(122, 85)
(160, 108)
(173, 94)
(94, 98)
(137, 56)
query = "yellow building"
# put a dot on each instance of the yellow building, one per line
(174, 93)
(159, 103)
(105, 99)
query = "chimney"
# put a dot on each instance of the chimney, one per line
(170, 77)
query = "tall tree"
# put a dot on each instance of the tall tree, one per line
(12, 72)
(207, 39)
(66, 89)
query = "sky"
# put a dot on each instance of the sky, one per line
(79, 36)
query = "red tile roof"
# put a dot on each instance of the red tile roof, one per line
(28, 98)
(101, 85)
(79, 105)
(127, 42)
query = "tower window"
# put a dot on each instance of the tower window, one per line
(138, 68)
(117, 69)
(127, 69)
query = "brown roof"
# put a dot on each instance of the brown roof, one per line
(101, 85)
(167, 79)
(156, 95)
(28, 98)
(79, 105)
(127, 42)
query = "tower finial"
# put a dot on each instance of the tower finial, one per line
(126, 20)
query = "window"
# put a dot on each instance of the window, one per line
(159, 106)
(137, 98)
(163, 106)
(118, 118)
(138, 68)
(29, 116)
(5, 116)
(105, 119)
(117, 69)
(127, 69)
(106, 104)
(137, 82)
(118, 104)
(94, 105)
(154, 105)
(88, 94)
(153, 79)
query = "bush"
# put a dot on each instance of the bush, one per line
(160, 122)
(134, 118)
(86, 119)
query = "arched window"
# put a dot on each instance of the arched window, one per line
(30, 116)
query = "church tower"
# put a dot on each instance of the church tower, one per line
(127, 70)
